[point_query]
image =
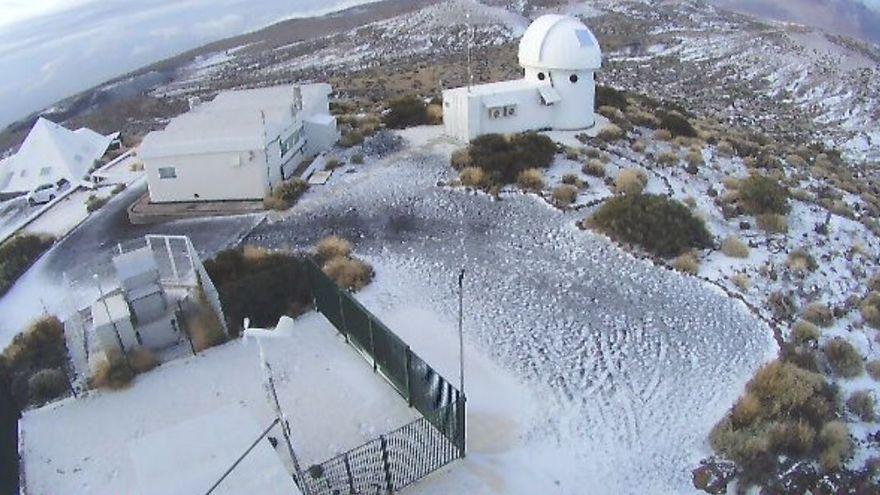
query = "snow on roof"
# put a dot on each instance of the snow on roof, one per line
(559, 42)
(190, 457)
(134, 263)
(110, 309)
(51, 153)
(496, 87)
(241, 120)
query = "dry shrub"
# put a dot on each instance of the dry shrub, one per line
(112, 372)
(285, 194)
(843, 358)
(773, 223)
(473, 177)
(870, 309)
(333, 163)
(610, 132)
(203, 326)
(796, 161)
(530, 179)
(734, 248)
(667, 158)
(142, 360)
(435, 114)
(662, 135)
(801, 262)
(643, 118)
(836, 445)
(273, 203)
(332, 247)
(861, 403)
(761, 194)
(779, 414)
(594, 167)
(630, 181)
(803, 332)
(461, 159)
(819, 314)
(565, 194)
(572, 153)
(690, 201)
(357, 158)
(724, 148)
(741, 281)
(694, 161)
(686, 263)
(873, 368)
(638, 146)
(781, 305)
(572, 180)
(348, 273)
(47, 384)
(350, 139)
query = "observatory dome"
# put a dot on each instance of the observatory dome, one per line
(559, 42)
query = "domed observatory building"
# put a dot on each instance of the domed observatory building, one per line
(560, 56)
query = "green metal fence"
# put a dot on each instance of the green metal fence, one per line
(411, 452)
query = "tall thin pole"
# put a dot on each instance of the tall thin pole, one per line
(460, 331)
(470, 77)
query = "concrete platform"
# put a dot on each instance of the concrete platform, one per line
(143, 212)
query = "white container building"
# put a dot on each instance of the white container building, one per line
(559, 56)
(239, 145)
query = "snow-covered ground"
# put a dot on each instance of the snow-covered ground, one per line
(629, 365)
(329, 393)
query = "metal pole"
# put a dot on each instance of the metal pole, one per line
(470, 76)
(460, 331)
(242, 456)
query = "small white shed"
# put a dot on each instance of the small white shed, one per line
(559, 56)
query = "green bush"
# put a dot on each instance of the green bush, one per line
(40, 347)
(677, 124)
(656, 223)
(608, 96)
(46, 385)
(405, 112)
(843, 358)
(760, 194)
(259, 285)
(503, 158)
(94, 203)
(17, 255)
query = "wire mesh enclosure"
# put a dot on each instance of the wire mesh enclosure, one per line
(395, 460)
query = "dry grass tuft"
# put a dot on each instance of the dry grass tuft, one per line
(803, 332)
(844, 359)
(530, 179)
(473, 177)
(862, 404)
(686, 263)
(662, 135)
(142, 360)
(836, 446)
(348, 273)
(734, 248)
(801, 262)
(630, 181)
(565, 194)
(638, 146)
(667, 158)
(873, 369)
(773, 223)
(112, 372)
(610, 132)
(332, 247)
(741, 281)
(819, 314)
(594, 167)
(870, 309)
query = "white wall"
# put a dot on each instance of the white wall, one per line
(211, 176)
(320, 136)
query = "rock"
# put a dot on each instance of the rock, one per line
(713, 476)
(744, 225)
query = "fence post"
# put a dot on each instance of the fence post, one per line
(342, 315)
(409, 393)
(385, 463)
(372, 344)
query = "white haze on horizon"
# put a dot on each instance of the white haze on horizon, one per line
(52, 49)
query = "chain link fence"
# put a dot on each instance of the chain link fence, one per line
(398, 459)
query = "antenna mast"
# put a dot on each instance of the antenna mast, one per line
(470, 38)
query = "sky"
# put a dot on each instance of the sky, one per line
(52, 49)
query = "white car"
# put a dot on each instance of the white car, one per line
(43, 194)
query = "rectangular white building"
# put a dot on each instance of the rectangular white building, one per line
(239, 145)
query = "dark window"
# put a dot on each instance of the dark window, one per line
(541, 76)
(573, 78)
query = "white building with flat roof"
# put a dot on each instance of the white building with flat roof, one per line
(559, 56)
(239, 145)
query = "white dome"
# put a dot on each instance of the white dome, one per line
(559, 42)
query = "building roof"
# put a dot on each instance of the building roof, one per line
(110, 309)
(51, 153)
(134, 263)
(559, 42)
(242, 120)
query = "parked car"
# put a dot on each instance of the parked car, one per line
(43, 194)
